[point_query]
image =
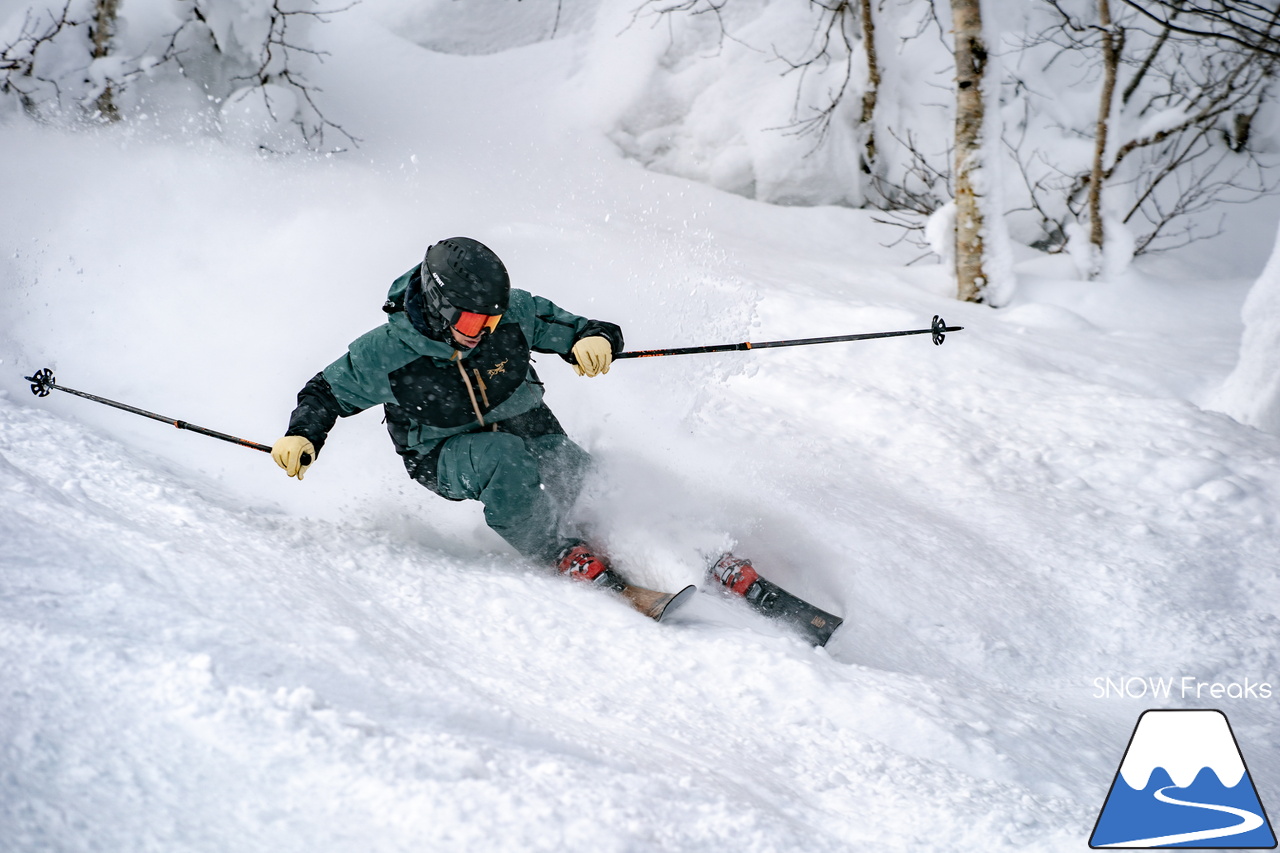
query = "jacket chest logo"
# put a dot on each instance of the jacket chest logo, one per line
(432, 392)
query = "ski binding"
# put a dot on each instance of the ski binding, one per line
(740, 578)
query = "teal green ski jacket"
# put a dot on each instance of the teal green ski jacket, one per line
(430, 390)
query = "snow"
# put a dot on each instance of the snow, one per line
(201, 654)
(702, 99)
(1251, 394)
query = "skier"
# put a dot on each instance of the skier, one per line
(452, 369)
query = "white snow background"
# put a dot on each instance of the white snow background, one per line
(199, 654)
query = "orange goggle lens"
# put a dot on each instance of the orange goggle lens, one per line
(471, 324)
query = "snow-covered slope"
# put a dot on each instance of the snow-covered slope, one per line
(184, 674)
(200, 654)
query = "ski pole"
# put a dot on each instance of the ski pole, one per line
(43, 382)
(938, 330)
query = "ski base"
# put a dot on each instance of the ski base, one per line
(741, 578)
(654, 604)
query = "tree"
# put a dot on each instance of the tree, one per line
(30, 65)
(971, 69)
(1245, 23)
(71, 60)
(1111, 43)
(105, 15)
(871, 93)
(1172, 133)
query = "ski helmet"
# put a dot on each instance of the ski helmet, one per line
(462, 276)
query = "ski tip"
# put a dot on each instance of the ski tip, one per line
(654, 604)
(680, 599)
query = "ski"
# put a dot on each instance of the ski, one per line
(739, 577)
(654, 604)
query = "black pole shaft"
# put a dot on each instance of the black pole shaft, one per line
(936, 330)
(42, 381)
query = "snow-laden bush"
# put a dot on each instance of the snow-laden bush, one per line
(736, 97)
(1251, 394)
(239, 65)
(477, 27)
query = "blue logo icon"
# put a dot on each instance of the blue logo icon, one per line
(1183, 783)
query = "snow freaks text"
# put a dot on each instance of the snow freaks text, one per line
(1184, 687)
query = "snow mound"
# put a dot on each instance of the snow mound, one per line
(1251, 394)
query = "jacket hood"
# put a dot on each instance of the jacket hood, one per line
(404, 300)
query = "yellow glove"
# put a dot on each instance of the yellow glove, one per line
(594, 355)
(289, 452)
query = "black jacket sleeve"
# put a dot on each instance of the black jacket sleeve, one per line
(317, 411)
(598, 328)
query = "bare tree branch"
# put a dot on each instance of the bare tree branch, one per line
(1238, 30)
(18, 60)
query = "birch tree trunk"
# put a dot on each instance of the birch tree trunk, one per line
(971, 63)
(873, 87)
(1111, 46)
(105, 13)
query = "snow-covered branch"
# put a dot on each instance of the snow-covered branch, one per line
(249, 63)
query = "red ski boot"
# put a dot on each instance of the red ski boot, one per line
(736, 574)
(580, 563)
(741, 578)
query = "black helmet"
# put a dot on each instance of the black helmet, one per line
(460, 274)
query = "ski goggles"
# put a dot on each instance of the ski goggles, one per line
(470, 324)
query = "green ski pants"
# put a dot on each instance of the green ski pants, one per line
(527, 485)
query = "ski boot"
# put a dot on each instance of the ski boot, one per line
(736, 574)
(579, 562)
(740, 578)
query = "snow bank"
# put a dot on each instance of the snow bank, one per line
(1251, 394)
(479, 27)
(709, 96)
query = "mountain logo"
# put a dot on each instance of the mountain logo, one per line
(1183, 783)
